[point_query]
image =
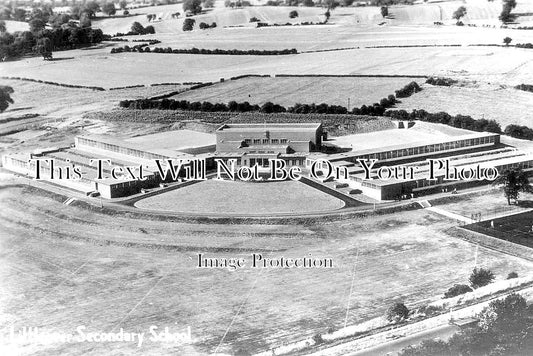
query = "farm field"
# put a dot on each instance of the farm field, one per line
(505, 105)
(61, 102)
(214, 196)
(57, 282)
(329, 37)
(99, 68)
(479, 12)
(307, 90)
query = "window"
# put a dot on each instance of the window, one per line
(265, 141)
(275, 141)
(257, 141)
(283, 140)
(247, 141)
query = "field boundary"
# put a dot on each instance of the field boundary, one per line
(492, 243)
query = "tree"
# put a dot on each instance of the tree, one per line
(193, 6)
(109, 9)
(37, 24)
(384, 11)
(505, 327)
(149, 30)
(85, 21)
(44, 48)
(507, 316)
(514, 181)
(208, 4)
(123, 4)
(331, 4)
(508, 6)
(507, 40)
(428, 348)
(293, 14)
(308, 3)
(91, 8)
(188, 24)
(5, 97)
(19, 14)
(137, 28)
(480, 277)
(2, 26)
(397, 312)
(459, 13)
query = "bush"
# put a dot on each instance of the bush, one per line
(456, 290)
(293, 14)
(480, 277)
(317, 338)
(254, 19)
(445, 82)
(512, 275)
(397, 312)
(203, 26)
(408, 90)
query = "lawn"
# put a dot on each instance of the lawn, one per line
(306, 90)
(54, 281)
(221, 196)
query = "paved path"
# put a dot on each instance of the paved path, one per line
(450, 215)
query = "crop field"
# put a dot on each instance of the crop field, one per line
(56, 280)
(307, 90)
(214, 196)
(505, 105)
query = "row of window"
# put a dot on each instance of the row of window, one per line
(438, 147)
(266, 141)
(119, 149)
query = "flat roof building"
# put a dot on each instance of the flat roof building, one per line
(257, 143)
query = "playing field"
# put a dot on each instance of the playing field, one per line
(55, 280)
(235, 197)
(303, 90)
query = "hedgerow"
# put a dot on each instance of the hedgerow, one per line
(459, 121)
(233, 52)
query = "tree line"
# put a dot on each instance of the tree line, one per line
(44, 42)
